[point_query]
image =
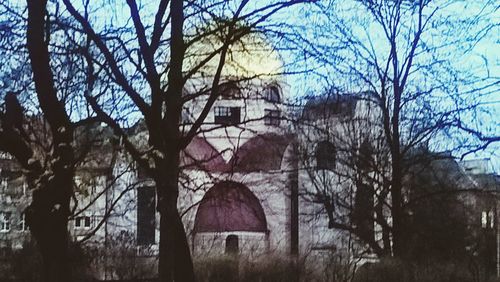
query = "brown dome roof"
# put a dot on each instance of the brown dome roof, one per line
(260, 153)
(230, 206)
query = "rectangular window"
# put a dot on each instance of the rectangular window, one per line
(4, 182)
(22, 223)
(5, 221)
(484, 219)
(227, 115)
(146, 215)
(86, 222)
(83, 222)
(272, 117)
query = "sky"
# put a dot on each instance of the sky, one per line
(475, 60)
(483, 59)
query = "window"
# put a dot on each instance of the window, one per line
(5, 156)
(22, 223)
(229, 90)
(86, 222)
(272, 117)
(326, 155)
(491, 217)
(227, 115)
(232, 245)
(146, 215)
(272, 94)
(5, 221)
(83, 222)
(362, 215)
(365, 156)
(3, 183)
(488, 219)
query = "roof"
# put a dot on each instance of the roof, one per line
(230, 206)
(201, 154)
(260, 153)
(330, 105)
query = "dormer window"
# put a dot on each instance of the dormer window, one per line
(272, 94)
(229, 90)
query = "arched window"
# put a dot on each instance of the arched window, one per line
(232, 247)
(272, 94)
(229, 90)
(326, 155)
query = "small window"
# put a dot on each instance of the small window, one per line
(83, 222)
(4, 182)
(326, 155)
(272, 94)
(272, 117)
(227, 115)
(86, 222)
(5, 221)
(488, 219)
(484, 219)
(22, 223)
(232, 247)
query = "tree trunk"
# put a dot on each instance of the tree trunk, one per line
(175, 262)
(50, 230)
(47, 217)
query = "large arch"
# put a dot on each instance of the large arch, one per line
(230, 206)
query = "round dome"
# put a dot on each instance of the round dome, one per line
(249, 57)
(261, 153)
(230, 206)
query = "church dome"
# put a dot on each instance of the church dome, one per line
(230, 206)
(249, 57)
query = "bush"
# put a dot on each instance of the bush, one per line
(26, 264)
(392, 270)
(228, 269)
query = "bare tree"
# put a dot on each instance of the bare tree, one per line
(154, 58)
(404, 55)
(44, 123)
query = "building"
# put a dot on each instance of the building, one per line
(254, 185)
